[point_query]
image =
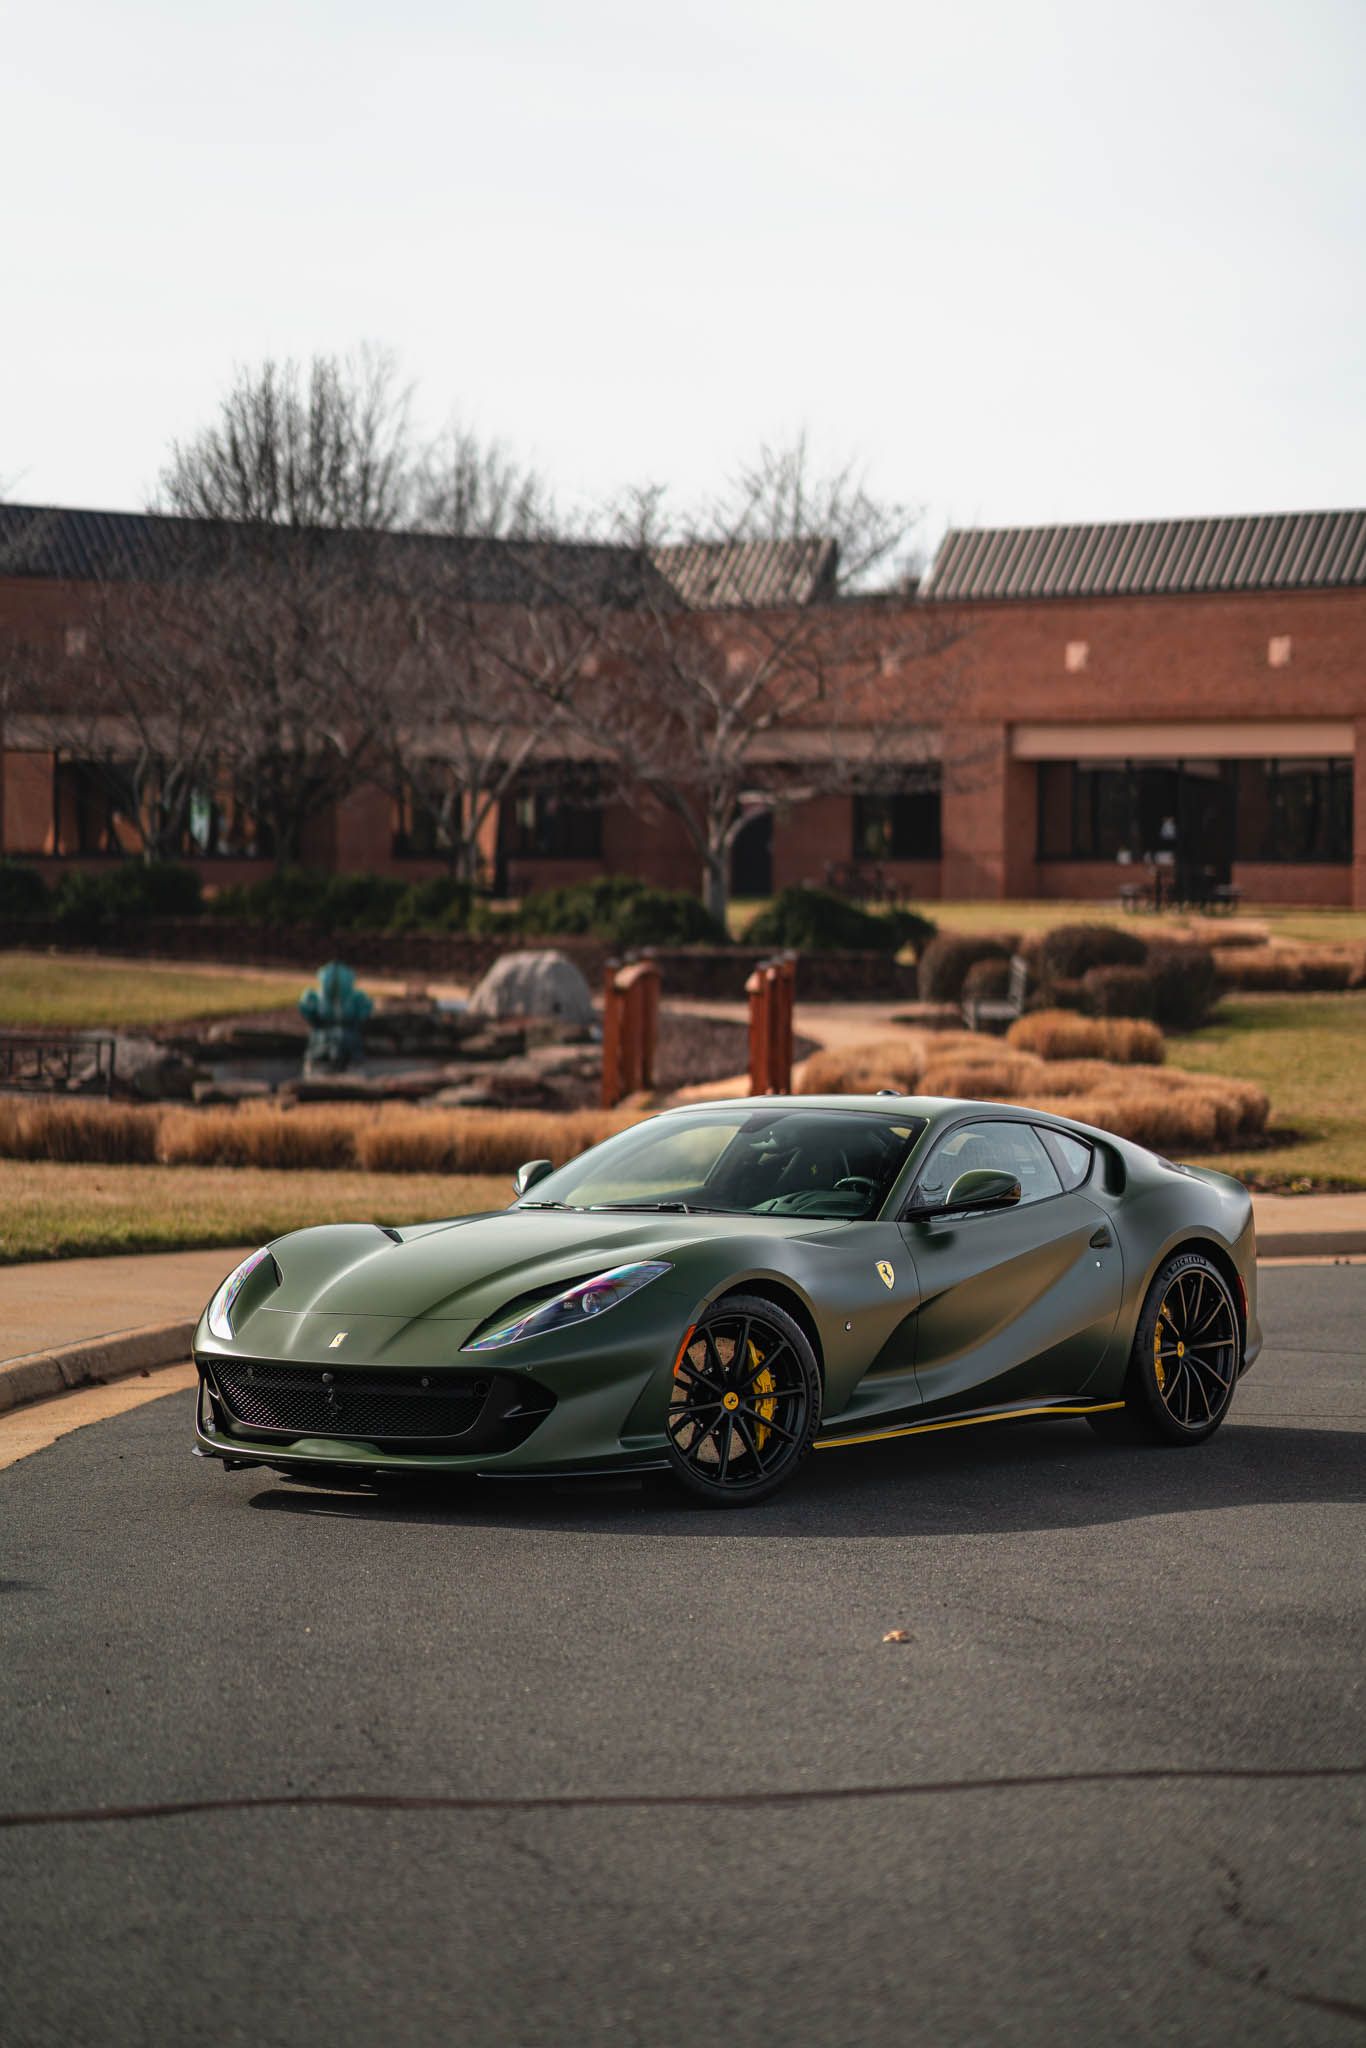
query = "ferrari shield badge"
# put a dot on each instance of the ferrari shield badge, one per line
(340, 1337)
(885, 1273)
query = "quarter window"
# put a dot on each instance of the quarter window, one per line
(1005, 1147)
(1072, 1155)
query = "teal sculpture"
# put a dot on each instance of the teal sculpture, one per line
(336, 1009)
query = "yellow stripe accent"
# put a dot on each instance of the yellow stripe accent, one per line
(877, 1436)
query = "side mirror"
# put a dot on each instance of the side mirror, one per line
(527, 1176)
(983, 1187)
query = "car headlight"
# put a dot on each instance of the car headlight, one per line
(220, 1308)
(587, 1298)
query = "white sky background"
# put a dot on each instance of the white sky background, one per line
(1066, 260)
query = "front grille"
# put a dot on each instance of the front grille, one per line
(300, 1400)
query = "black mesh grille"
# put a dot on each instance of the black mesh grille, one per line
(299, 1400)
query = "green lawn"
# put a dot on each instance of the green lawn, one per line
(69, 992)
(51, 1212)
(1309, 1053)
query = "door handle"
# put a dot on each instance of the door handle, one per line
(1101, 1237)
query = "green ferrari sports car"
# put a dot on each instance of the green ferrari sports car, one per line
(720, 1289)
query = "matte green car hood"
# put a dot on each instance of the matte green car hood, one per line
(467, 1270)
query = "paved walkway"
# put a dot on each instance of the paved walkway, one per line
(57, 1302)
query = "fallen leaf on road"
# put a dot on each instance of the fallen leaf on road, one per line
(897, 1635)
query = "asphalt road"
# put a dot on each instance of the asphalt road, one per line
(1062, 1850)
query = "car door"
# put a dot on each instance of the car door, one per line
(1015, 1304)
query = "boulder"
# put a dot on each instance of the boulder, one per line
(533, 985)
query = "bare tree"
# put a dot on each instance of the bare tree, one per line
(780, 494)
(321, 446)
(739, 682)
(497, 638)
(475, 489)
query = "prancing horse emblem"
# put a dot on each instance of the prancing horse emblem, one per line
(340, 1337)
(885, 1273)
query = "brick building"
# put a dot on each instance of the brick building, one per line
(1178, 702)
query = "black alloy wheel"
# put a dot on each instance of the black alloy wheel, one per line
(745, 1402)
(1188, 1352)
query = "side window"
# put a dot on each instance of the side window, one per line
(1008, 1147)
(1073, 1157)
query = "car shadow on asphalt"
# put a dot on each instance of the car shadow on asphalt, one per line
(1022, 1478)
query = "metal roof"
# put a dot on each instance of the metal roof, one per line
(1265, 551)
(729, 575)
(85, 546)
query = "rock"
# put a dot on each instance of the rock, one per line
(533, 985)
(212, 1094)
(332, 1088)
(151, 1071)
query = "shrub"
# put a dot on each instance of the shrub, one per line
(1068, 951)
(1120, 991)
(863, 1069)
(23, 892)
(986, 980)
(439, 904)
(912, 929)
(1058, 995)
(1184, 985)
(89, 900)
(664, 917)
(617, 908)
(358, 903)
(102, 1133)
(983, 1080)
(1287, 969)
(819, 921)
(289, 896)
(946, 960)
(1061, 1035)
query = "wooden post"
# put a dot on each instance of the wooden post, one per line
(757, 989)
(771, 989)
(630, 1029)
(784, 993)
(612, 1005)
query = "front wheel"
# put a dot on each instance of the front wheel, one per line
(1187, 1355)
(745, 1404)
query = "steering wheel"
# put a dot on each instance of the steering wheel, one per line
(862, 1181)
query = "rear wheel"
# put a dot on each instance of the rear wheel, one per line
(1186, 1357)
(745, 1403)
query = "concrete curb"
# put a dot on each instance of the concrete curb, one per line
(44, 1373)
(1310, 1244)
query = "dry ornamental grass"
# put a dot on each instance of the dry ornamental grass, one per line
(1063, 1035)
(314, 1139)
(1159, 1106)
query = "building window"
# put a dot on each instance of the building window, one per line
(1295, 811)
(1200, 816)
(429, 816)
(547, 824)
(900, 824)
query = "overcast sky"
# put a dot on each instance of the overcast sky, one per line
(1063, 260)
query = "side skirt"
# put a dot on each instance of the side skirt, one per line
(1017, 1414)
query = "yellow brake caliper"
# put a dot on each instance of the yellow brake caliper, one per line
(765, 1391)
(1158, 1371)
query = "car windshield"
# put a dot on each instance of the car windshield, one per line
(748, 1160)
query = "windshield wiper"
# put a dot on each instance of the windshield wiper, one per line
(542, 1205)
(666, 1208)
